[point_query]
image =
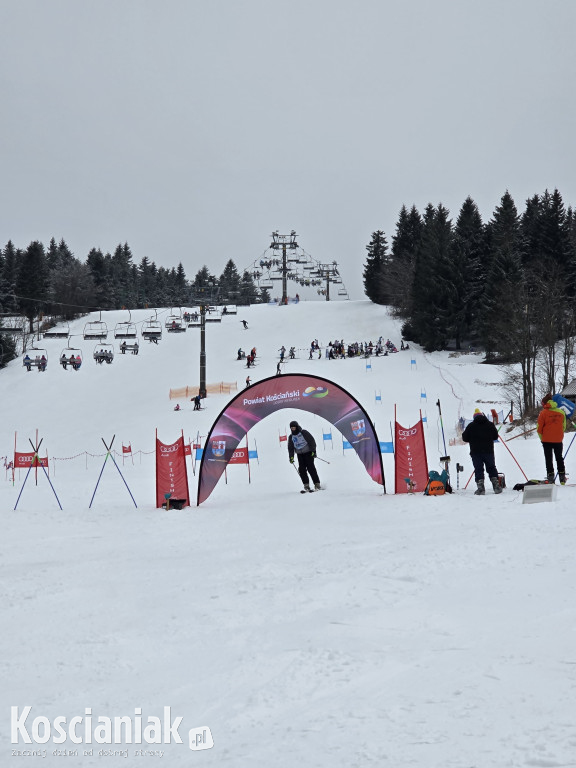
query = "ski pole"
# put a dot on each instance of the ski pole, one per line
(321, 459)
(566, 454)
(445, 458)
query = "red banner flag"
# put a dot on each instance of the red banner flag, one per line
(25, 460)
(188, 449)
(410, 459)
(126, 448)
(171, 475)
(240, 456)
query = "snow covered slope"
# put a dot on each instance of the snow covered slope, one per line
(344, 628)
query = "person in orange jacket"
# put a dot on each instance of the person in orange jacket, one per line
(551, 428)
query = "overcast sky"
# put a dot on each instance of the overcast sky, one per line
(192, 129)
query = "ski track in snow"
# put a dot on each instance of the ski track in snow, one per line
(346, 629)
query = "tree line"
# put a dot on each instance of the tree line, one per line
(506, 286)
(39, 281)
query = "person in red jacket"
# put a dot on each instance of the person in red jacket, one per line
(551, 428)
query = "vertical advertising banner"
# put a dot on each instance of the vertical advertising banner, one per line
(309, 393)
(171, 476)
(410, 462)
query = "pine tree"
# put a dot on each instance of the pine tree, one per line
(374, 275)
(400, 268)
(463, 273)
(428, 323)
(31, 283)
(230, 283)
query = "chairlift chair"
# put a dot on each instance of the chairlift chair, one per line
(33, 358)
(57, 332)
(175, 324)
(71, 356)
(103, 353)
(96, 330)
(152, 330)
(125, 331)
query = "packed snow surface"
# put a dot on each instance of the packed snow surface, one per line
(342, 629)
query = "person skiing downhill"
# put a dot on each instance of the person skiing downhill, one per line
(303, 445)
(481, 434)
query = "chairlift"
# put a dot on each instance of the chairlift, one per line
(342, 292)
(71, 356)
(57, 332)
(152, 330)
(103, 353)
(175, 323)
(96, 330)
(35, 357)
(125, 330)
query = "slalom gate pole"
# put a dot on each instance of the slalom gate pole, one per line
(51, 486)
(445, 458)
(23, 484)
(102, 470)
(125, 483)
(98, 483)
(566, 454)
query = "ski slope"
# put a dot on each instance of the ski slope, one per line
(338, 629)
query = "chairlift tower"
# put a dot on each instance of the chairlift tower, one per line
(329, 273)
(286, 243)
(204, 297)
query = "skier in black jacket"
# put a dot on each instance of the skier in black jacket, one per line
(481, 434)
(303, 444)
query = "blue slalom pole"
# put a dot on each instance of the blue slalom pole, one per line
(125, 483)
(23, 484)
(98, 483)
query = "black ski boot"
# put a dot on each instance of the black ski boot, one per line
(562, 478)
(496, 485)
(550, 478)
(480, 490)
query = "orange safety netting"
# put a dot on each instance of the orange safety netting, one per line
(222, 388)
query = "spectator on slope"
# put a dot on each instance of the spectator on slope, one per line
(551, 428)
(481, 434)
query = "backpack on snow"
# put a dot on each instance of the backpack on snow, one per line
(438, 483)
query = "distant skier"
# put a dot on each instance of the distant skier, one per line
(245, 324)
(481, 434)
(196, 402)
(303, 444)
(248, 381)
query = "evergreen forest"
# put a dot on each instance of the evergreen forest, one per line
(506, 287)
(51, 283)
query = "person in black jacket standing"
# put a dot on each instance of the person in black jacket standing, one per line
(303, 445)
(481, 434)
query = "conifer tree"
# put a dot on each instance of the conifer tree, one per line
(374, 269)
(32, 283)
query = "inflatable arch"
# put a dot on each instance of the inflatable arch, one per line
(293, 390)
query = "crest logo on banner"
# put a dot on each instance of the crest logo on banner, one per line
(219, 448)
(358, 427)
(315, 392)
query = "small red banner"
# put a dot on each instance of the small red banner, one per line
(25, 460)
(240, 456)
